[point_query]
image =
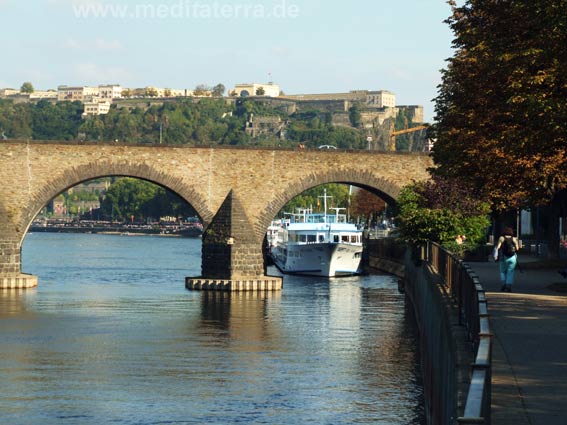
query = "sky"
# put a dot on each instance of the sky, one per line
(305, 46)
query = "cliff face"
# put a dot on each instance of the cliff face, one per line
(375, 123)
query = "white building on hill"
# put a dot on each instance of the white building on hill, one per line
(256, 89)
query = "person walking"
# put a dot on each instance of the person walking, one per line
(505, 253)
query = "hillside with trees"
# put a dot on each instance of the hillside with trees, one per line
(194, 122)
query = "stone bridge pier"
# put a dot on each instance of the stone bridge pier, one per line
(236, 192)
(232, 256)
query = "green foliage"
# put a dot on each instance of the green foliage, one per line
(355, 116)
(128, 197)
(314, 128)
(15, 120)
(93, 128)
(151, 92)
(56, 122)
(401, 123)
(82, 195)
(218, 90)
(27, 87)
(422, 217)
(202, 122)
(202, 90)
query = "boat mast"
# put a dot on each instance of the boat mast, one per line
(337, 210)
(325, 204)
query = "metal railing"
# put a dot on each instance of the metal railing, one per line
(462, 284)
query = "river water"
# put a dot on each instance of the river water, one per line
(111, 336)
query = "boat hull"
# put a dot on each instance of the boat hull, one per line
(319, 259)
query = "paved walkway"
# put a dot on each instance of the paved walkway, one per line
(529, 383)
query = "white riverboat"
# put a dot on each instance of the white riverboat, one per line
(318, 244)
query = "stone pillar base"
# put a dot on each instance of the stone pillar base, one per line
(21, 281)
(262, 283)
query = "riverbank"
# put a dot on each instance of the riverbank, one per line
(192, 231)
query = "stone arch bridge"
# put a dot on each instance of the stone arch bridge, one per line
(236, 192)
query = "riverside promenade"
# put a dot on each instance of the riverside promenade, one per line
(529, 384)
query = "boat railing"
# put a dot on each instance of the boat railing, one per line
(316, 218)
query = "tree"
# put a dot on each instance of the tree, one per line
(18, 121)
(218, 90)
(260, 91)
(151, 92)
(129, 197)
(56, 122)
(27, 87)
(355, 116)
(202, 90)
(122, 125)
(441, 209)
(93, 128)
(366, 206)
(501, 111)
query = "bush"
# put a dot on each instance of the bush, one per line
(438, 211)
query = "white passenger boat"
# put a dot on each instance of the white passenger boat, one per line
(318, 244)
(272, 233)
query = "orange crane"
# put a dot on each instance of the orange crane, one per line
(393, 134)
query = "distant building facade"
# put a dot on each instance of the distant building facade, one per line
(43, 94)
(80, 94)
(8, 92)
(381, 99)
(157, 92)
(109, 92)
(376, 99)
(96, 107)
(269, 90)
(258, 126)
(22, 97)
(378, 105)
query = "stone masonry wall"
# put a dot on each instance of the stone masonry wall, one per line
(262, 180)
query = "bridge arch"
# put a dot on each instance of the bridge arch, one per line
(236, 192)
(381, 186)
(78, 174)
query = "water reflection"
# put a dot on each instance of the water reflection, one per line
(240, 318)
(14, 301)
(124, 342)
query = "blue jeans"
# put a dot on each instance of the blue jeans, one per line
(507, 269)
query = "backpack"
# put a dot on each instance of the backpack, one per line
(508, 247)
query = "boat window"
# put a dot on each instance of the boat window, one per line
(353, 239)
(321, 238)
(311, 238)
(344, 238)
(336, 238)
